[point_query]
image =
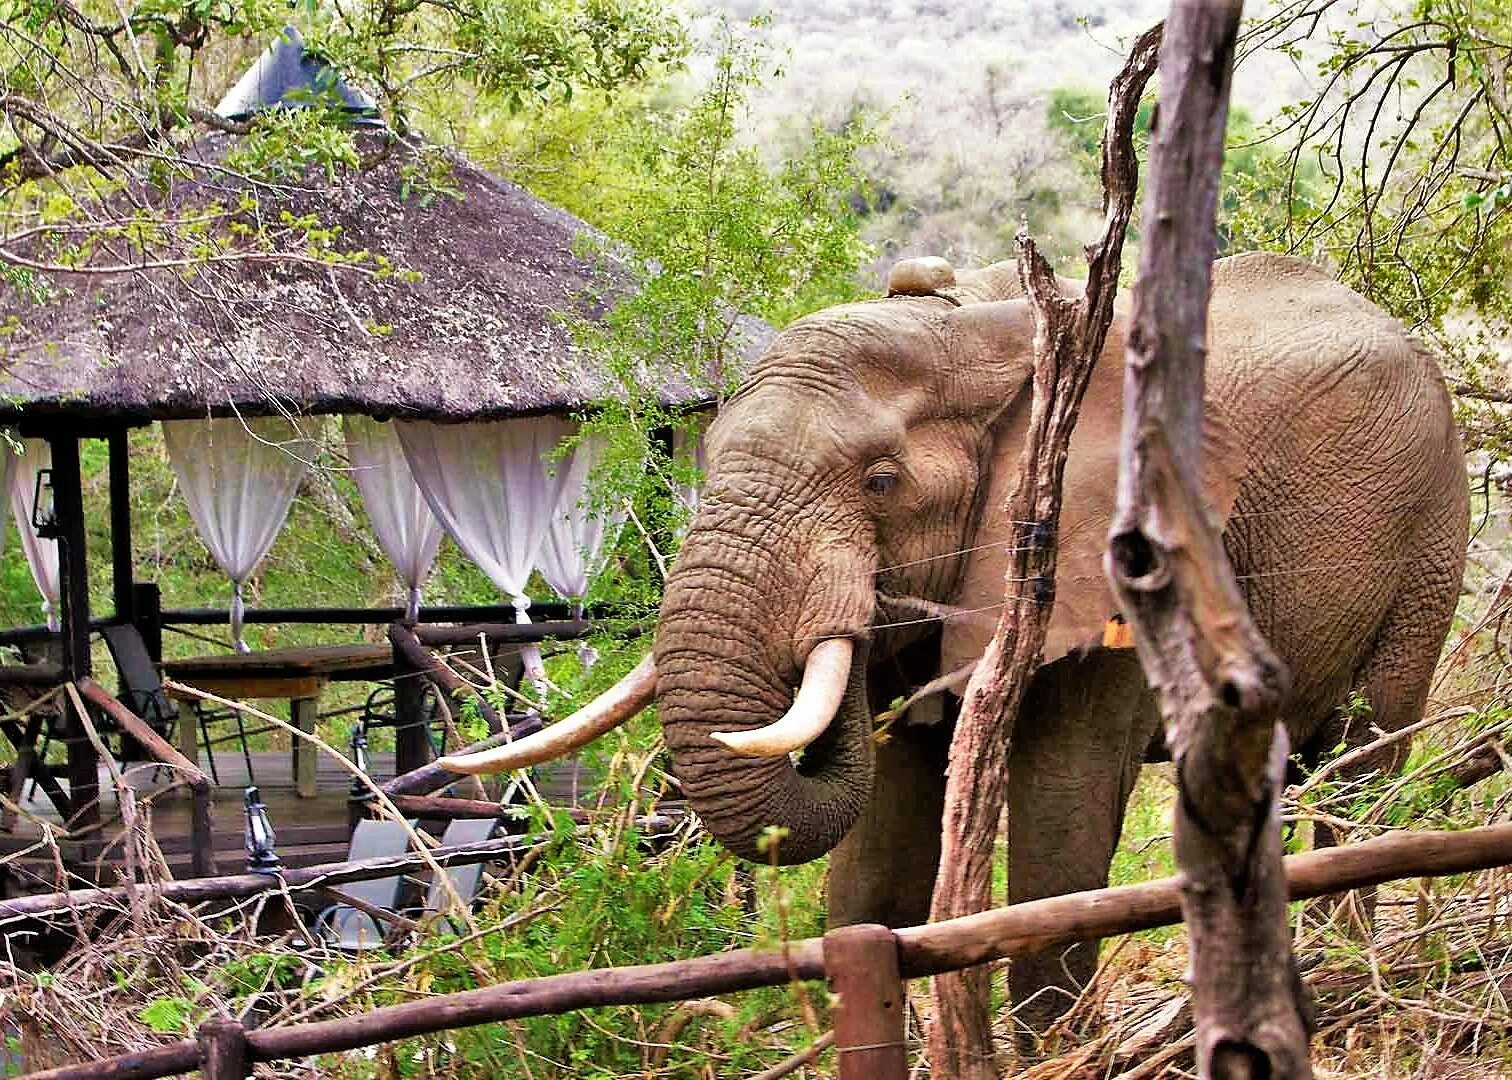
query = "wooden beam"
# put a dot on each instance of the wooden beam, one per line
(378, 616)
(120, 526)
(503, 633)
(241, 886)
(201, 823)
(701, 976)
(73, 574)
(922, 950)
(429, 777)
(438, 806)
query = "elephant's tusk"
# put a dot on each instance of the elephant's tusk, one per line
(610, 709)
(824, 680)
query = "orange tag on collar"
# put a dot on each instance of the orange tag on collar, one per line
(1117, 634)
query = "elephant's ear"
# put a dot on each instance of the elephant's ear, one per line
(1084, 604)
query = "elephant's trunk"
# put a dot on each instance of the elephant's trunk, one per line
(723, 667)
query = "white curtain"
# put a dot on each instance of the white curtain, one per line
(239, 477)
(494, 490)
(406, 529)
(41, 555)
(581, 535)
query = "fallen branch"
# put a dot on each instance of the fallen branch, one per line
(241, 886)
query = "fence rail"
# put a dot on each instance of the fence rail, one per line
(869, 1036)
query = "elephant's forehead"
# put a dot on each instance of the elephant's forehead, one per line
(899, 338)
(800, 417)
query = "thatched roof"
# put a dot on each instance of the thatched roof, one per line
(477, 333)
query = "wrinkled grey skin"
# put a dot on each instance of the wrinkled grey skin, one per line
(1332, 457)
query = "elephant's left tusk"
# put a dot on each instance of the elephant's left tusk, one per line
(824, 680)
(607, 711)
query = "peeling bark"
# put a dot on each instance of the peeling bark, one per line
(1069, 335)
(1220, 685)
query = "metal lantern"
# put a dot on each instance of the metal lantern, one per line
(44, 516)
(260, 838)
(360, 790)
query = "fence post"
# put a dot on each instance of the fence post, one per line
(223, 1049)
(861, 963)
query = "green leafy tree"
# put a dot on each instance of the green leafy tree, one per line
(1408, 130)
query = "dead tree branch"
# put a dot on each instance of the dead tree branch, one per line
(1220, 685)
(1069, 335)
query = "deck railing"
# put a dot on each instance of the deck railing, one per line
(865, 965)
(201, 790)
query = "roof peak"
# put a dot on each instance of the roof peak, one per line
(288, 76)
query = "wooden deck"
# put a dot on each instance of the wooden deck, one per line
(309, 829)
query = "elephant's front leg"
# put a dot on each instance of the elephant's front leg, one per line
(884, 869)
(1077, 749)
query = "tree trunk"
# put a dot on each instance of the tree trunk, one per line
(1069, 335)
(1220, 685)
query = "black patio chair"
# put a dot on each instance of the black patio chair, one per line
(141, 691)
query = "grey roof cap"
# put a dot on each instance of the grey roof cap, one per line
(287, 76)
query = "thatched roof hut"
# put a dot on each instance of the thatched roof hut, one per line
(468, 326)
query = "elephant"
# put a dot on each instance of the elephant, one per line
(850, 542)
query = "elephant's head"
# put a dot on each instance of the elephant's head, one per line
(850, 464)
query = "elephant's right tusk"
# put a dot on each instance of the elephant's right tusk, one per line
(824, 680)
(607, 711)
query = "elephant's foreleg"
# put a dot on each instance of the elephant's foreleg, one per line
(884, 870)
(1080, 738)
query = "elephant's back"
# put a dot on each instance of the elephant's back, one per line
(1352, 491)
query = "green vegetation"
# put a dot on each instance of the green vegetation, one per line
(587, 104)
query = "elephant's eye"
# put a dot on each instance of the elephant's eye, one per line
(881, 483)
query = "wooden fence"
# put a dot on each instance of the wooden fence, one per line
(865, 965)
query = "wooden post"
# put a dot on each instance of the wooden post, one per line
(302, 714)
(120, 526)
(412, 747)
(73, 574)
(1220, 686)
(147, 613)
(223, 1049)
(861, 963)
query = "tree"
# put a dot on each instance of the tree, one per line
(1408, 133)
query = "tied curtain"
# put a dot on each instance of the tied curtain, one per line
(495, 491)
(20, 476)
(581, 534)
(406, 529)
(238, 476)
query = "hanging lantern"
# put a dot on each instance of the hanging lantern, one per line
(44, 516)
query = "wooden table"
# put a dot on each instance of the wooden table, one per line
(299, 674)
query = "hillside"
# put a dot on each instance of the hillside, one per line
(963, 95)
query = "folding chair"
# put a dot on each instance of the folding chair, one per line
(466, 880)
(142, 692)
(343, 926)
